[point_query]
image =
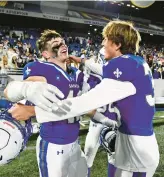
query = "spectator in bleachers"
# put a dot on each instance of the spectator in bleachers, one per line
(12, 57)
(83, 54)
(22, 49)
(4, 65)
(156, 71)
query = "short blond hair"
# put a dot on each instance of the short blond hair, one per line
(124, 33)
(45, 37)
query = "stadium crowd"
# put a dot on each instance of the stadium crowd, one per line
(18, 47)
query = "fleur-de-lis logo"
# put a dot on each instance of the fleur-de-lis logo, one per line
(117, 73)
(28, 70)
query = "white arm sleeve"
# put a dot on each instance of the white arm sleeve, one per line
(94, 67)
(108, 91)
(104, 120)
(15, 90)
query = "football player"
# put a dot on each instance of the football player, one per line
(58, 151)
(60, 137)
(127, 80)
(22, 112)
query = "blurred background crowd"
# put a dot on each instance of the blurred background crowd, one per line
(81, 27)
(18, 47)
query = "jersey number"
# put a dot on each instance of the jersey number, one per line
(149, 98)
(111, 110)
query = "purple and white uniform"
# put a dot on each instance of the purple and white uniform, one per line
(58, 151)
(127, 80)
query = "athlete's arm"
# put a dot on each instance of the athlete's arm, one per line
(32, 78)
(36, 79)
(94, 67)
(104, 120)
(38, 93)
(99, 117)
(21, 111)
(90, 64)
(108, 91)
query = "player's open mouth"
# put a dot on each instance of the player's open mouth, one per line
(64, 51)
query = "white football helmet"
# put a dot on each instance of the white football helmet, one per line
(108, 139)
(13, 137)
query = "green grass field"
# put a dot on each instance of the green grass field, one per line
(26, 165)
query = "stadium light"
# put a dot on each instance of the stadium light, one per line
(133, 6)
(151, 34)
(95, 29)
(142, 4)
(90, 25)
(89, 33)
(128, 5)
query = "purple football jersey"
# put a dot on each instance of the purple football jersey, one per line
(136, 111)
(65, 131)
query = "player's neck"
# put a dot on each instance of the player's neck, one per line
(59, 63)
(117, 54)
